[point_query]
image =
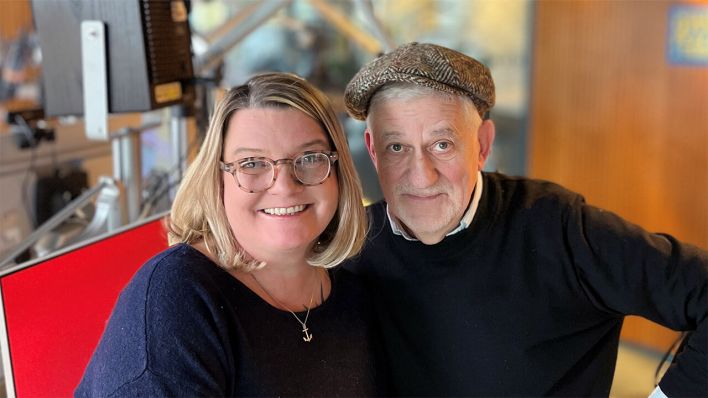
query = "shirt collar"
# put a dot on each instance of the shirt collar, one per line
(464, 222)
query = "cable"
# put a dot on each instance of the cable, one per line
(677, 343)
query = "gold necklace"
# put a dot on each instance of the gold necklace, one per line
(308, 336)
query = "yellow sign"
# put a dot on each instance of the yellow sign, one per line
(168, 92)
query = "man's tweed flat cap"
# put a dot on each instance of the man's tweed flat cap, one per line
(429, 65)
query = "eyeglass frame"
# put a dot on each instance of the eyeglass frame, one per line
(232, 168)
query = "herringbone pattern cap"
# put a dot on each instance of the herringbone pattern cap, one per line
(425, 64)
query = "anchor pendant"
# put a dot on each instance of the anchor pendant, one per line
(308, 336)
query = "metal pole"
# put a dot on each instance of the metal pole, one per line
(53, 222)
(130, 171)
(127, 165)
(343, 23)
(178, 138)
(367, 8)
(253, 19)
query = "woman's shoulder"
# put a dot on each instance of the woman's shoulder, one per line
(176, 265)
(180, 273)
(180, 257)
(178, 287)
(184, 255)
(173, 304)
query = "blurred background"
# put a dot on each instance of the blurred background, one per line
(608, 98)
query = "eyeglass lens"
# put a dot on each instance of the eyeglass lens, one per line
(258, 174)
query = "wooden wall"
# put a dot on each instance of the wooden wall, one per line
(612, 119)
(15, 16)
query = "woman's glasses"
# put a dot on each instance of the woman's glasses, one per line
(257, 174)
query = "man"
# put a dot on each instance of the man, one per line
(489, 285)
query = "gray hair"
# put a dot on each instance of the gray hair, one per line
(406, 91)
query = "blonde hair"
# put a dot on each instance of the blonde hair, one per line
(198, 212)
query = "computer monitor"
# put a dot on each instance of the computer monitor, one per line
(148, 45)
(53, 310)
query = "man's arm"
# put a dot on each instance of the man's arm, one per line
(626, 270)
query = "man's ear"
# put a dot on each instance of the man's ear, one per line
(369, 141)
(485, 135)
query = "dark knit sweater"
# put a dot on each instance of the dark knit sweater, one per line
(185, 327)
(530, 298)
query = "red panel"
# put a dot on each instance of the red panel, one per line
(56, 310)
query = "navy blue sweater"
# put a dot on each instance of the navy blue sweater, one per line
(185, 327)
(529, 300)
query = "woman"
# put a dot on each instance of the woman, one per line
(245, 302)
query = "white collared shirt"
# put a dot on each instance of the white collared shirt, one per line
(657, 393)
(464, 222)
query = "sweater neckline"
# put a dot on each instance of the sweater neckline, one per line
(258, 300)
(253, 296)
